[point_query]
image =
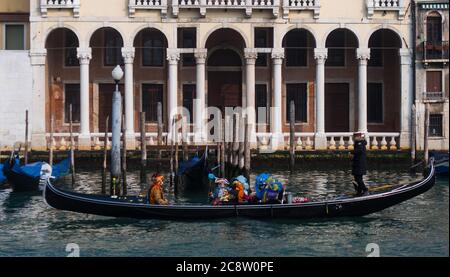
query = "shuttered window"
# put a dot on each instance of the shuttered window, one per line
(298, 94)
(14, 37)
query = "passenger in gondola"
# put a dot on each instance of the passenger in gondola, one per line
(240, 187)
(268, 190)
(156, 191)
(359, 163)
(222, 192)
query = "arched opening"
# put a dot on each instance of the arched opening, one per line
(150, 60)
(341, 80)
(299, 75)
(383, 83)
(433, 45)
(224, 66)
(63, 75)
(106, 44)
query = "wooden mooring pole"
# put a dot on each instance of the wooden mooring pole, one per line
(222, 148)
(426, 133)
(413, 134)
(26, 138)
(160, 129)
(52, 126)
(292, 136)
(105, 156)
(124, 158)
(143, 173)
(72, 146)
(247, 147)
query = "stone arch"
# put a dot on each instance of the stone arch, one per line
(384, 27)
(131, 39)
(92, 31)
(235, 29)
(295, 27)
(349, 29)
(53, 28)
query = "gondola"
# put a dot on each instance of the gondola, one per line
(27, 177)
(441, 162)
(2, 176)
(191, 174)
(380, 198)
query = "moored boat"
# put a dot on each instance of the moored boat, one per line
(27, 177)
(137, 207)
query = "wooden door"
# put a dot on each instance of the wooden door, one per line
(337, 115)
(225, 89)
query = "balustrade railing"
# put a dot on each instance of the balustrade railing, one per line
(73, 5)
(247, 5)
(386, 5)
(147, 5)
(313, 5)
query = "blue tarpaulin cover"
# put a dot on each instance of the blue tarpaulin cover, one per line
(188, 164)
(2, 176)
(34, 169)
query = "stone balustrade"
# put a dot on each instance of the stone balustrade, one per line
(291, 5)
(147, 5)
(73, 5)
(247, 5)
(386, 5)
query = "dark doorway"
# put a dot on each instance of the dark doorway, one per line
(105, 104)
(337, 115)
(224, 89)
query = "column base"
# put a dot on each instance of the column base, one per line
(277, 142)
(38, 142)
(405, 140)
(131, 141)
(320, 141)
(84, 142)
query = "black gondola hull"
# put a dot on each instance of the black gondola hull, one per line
(21, 182)
(134, 207)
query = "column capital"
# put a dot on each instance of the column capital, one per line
(84, 55)
(277, 53)
(250, 55)
(37, 56)
(363, 54)
(173, 55)
(405, 56)
(320, 54)
(200, 55)
(128, 54)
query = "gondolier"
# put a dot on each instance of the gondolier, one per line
(359, 163)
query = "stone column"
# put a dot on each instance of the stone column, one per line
(173, 56)
(406, 100)
(200, 102)
(128, 57)
(250, 60)
(276, 121)
(363, 55)
(84, 139)
(320, 139)
(38, 139)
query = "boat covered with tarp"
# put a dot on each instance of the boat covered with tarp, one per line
(2, 175)
(192, 174)
(380, 197)
(27, 177)
(441, 162)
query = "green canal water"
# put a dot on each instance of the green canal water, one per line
(418, 227)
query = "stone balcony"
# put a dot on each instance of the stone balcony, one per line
(247, 5)
(292, 5)
(386, 6)
(147, 5)
(73, 5)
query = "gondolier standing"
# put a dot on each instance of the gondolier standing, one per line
(359, 163)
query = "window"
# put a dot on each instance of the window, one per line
(375, 103)
(435, 125)
(153, 48)
(376, 51)
(298, 94)
(261, 100)
(434, 84)
(113, 48)
(187, 39)
(72, 97)
(263, 39)
(336, 49)
(188, 99)
(151, 95)
(14, 37)
(434, 27)
(296, 43)
(70, 49)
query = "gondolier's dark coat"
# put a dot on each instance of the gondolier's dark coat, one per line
(359, 162)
